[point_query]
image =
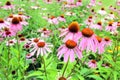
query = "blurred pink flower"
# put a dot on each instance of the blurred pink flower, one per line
(92, 64)
(79, 3)
(72, 32)
(4, 24)
(88, 40)
(61, 18)
(15, 25)
(41, 48)
(68, 50)
(8, 6)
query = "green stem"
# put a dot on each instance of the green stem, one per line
(73, 68)
(65, 68)
(44, 67)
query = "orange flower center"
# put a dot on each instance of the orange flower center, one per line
(62, 78)
(62, 16)
(41, 44)
(99, 39)
(79, 0)
(22, 39)
(107, 39)
(102, 8)
(11, 42)
(36, 40)
(93, 61)
(1, 21)
(8, 3)
(11, 16)
(52, 17)
(7, 32)
(20, 13)
(20, 19)
(87, 32)
(74, 27)
(15, 20)
(90, 17)
(110, 23)
(70, 44)
(44, 29)
(99, 23)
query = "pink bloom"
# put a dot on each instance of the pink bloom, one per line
(15, 25)
(41, 47)
(45, 32)
(28, 56)
(61, 18)
(7, 33)
(102, 11)
(112, 26)
(11, 42)
(88, 41)
(48, 1)
(97, 26)
(3, 24)
(70, 1)
(92, 64)
(99, 3)
(92, 2)
(53, 20)
(100, 45)
(68, 50)
(79, 3)
(72, 32)
(107, 41)
(8, 5)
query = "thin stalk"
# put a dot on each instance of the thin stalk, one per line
(44, 67)
(73, 68)
(65, 68)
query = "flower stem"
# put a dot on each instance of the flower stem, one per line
(73, 68)
(44, 67)
(65, 68)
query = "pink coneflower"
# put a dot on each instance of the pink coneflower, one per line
(11, 42)
(72, 32)
(102, 11)
(3, 24)
(99, 3)
(88, 41)
(45, 32)
(15, 25)
(89, 21)
(23, 22)
(8, 5)
(62, 18)
(107, 41)
(41, 48)
(34, 41)
(53, 20)
(111, 26)
(100, 45)
(61, 29)
(48, 1)
(92, 2)
(92, 64)
(27, 46)
(97, 26)
(79, 3)
(10, 17)
(28, 56)
(6, 32)
(70, 1)
(68, 50)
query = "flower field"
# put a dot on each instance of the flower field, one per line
(59, 39)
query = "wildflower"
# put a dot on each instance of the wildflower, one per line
(11, 42)
(72, 32)
(68, 50)
(8, 5)
(61, 18)
(112, 26)
(92, 64)
(3, 24)
(41, 47)
(88, 41)
(102, 11)
(15, 25)
(79, 3)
